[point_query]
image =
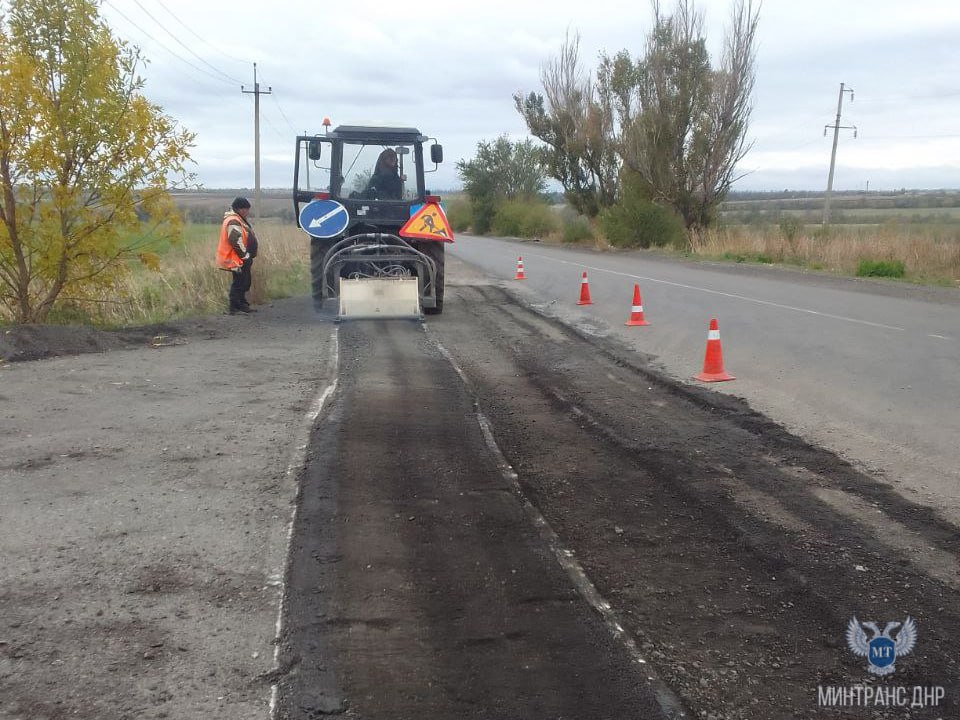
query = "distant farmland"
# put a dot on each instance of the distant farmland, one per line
(924, 207)
(208, 206)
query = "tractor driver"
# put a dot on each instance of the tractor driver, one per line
(386, 183)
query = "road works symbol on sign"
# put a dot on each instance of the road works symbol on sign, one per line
(324, 218)
(428, 223)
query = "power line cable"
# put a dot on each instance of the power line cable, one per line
(160, 44)
(907, 137)
(276, 132)
(200, 37)
(282, 113)
(182, 44)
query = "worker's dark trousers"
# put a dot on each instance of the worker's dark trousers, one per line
(239, 285)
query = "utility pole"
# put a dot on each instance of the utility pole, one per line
(257, 92)
(833, 155)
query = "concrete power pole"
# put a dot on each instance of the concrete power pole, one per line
(257, 92)
(833, 155)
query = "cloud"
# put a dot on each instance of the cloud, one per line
(452, 70)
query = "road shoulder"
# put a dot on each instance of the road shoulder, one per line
(146, 499)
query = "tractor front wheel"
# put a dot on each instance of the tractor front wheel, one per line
(317, 252)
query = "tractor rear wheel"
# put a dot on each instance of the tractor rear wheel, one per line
(434, 250)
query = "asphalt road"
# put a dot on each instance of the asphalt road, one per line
(868, 369)
(417, 586)
(494, 514)
(501, 517)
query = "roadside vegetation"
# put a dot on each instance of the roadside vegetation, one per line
(184, 282)
(99, 222)
(893, 246)
(646, 148)
(86, 159)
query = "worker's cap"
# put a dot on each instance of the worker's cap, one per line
(240, 202)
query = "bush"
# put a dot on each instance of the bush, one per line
(459, 213)
(881, 268)
(523, 218)
(482, 211)
(790, 228)
(636, 221)
(576, 229)
(640, 223)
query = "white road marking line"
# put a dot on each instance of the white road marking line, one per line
(734, 296)
(940, 337)
(279, 579)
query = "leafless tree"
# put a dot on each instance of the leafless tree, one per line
(574, 117)
(684, 123)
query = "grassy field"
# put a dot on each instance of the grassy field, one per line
(187, 283)
(918, 232)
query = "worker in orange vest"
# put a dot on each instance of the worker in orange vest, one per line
(235, 252)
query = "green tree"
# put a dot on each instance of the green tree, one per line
(84, 158)
(501, 170)
(684, 123)
(574, 118)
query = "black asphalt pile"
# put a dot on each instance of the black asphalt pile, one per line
(418, 589)
(736, 553)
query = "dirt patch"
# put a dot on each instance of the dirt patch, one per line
(35, 342)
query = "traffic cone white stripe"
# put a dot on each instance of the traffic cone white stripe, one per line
(713, 335)
(584, 290)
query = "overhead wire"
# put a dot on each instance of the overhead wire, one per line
(200, 37)
(221, 77)
(282, 113)
(183, 45)
(160, 44)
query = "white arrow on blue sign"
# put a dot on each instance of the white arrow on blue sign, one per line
(324, 218)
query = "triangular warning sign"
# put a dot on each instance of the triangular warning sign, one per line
(428, 223)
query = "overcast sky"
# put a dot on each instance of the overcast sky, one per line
(451, 69)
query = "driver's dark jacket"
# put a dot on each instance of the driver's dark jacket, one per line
(388, 185)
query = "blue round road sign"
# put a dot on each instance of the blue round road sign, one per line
(324, 218)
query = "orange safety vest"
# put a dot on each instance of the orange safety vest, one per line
(227, 258)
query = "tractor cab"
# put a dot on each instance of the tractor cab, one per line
(358, 192)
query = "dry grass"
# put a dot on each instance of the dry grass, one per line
(929, 256)
(188, 283)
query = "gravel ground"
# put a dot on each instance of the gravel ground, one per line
(145, 506)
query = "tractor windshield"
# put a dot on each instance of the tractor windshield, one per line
(379, 172)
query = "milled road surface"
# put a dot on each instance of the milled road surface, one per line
(417, 587)
(734, 553)
(865, 367)
(144, 516)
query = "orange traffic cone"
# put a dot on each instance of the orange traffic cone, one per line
(636, 312)
(520, 275)
(584, 291)
(713, 359)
